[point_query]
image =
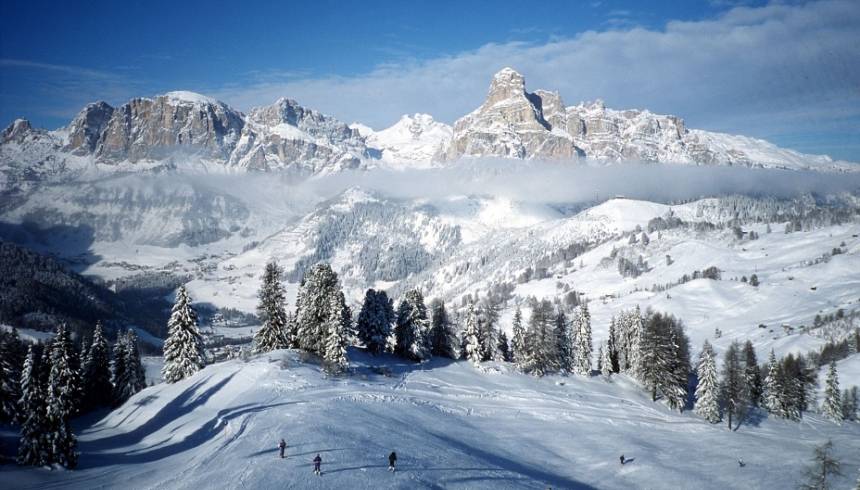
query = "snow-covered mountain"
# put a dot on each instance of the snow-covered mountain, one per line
(515, 123)
(412, 141)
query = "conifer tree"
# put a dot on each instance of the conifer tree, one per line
(375, 321)
(583, 346)
(96, 373)
(33, 448)
(733, 389)
(183, 348)
(504, 348)
(773, 389)
(413, 327)
(10, 375)
(832, 407)
(849, 404)
(133, 376)
(273, 334)
(707, 391)
(334, 357)
(542, 356)
(471, 342)
(319, 287)
(752, 374)
(605, 361)
(518, 341)
(442, 337)
(62, 388)
(612, 347)
(118, 374)
(488, 317)
(563, 341)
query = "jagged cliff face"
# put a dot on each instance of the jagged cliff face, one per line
(510, 123)
(288, 136)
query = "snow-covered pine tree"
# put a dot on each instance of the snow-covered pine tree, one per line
(773, 389)
(707, 391)
(33, 448)
(824, 467)
(518, 341)
(133, 376)
(582, 347)
(375, 321)
(313, 303)
(542, 356)
(118, 374)
(679, 354)
(488, 317)
(733, 392)
(413, 327)
(612, 347)
(832, 407)
(443, 340)
(10, 375)
(504, 347)
(471, 342)
(96, 374)
(183, 348)
(605, 361)
(334, 356)
(273, 333)
(752, 374)
(563, 341)
(59, 403)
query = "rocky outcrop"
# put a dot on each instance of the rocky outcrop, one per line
(288, 136)
(17, 131)
(510, 123)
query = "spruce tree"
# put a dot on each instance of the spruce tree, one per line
(583, 346)
(849, 404)
(133, 376)
(832, 407)
(773, 389)
(413, 327)
(733, 389)
(375, 321)
(33, 448)
(273, 333)
(612, 347)
(62, 387)
(518, 341)
(318, 288)
(442, 337)
(96, 375)
(118, 375)
(488, 317)
(564, 342)
(183, 349)
(10, 375)
(471, 342)
(504, 348)
(605, 361)
(542, 355)
(707, 391)
(334, 356)
(752, 374)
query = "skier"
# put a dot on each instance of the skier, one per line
(282, 446)
(392, 458)
(622, 460)
(741, 463)
(317, 463)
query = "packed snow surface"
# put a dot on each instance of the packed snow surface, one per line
(452, 425)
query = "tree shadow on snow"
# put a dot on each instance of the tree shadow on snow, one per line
(206, 432)
(502, 463)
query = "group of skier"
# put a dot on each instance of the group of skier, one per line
(282, 446)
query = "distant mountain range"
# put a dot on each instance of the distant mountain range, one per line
(177, 127)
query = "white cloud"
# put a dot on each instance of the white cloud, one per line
(770, 72)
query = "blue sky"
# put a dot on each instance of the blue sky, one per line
(787, 72)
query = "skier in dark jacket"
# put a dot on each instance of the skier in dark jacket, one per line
(282, 446)
(392, 458)
(317, 463)
(622, 459)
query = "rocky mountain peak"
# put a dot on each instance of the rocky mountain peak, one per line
(87, 128)
(507, 84)
(16, 131)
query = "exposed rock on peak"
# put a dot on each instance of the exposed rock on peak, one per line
(16, 131)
